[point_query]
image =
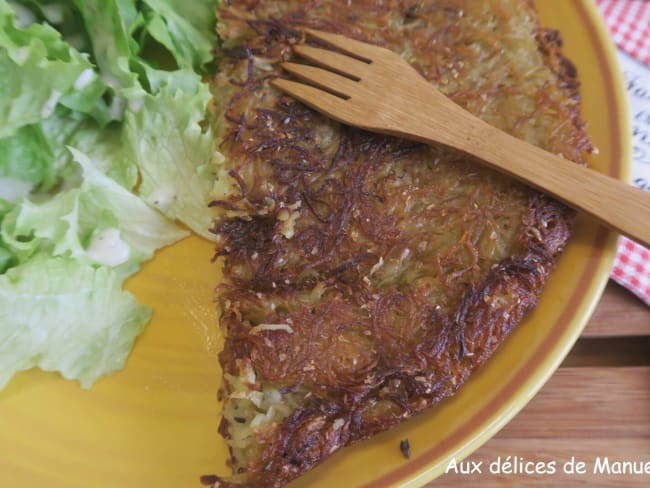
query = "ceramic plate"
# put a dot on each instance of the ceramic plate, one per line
(155, 423)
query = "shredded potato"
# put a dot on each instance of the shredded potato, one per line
(365, 277)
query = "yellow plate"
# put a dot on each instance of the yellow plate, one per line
(155, 423)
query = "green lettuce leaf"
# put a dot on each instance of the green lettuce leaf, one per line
(27, 156)
(7, 258)
(110, 26)
(38, 154)
(62, 307)
(98, 223)
(39, 70)
(102, 144)
(61, 15)
(186, 29)
(73, 224)
(63, 315)
(172, 151)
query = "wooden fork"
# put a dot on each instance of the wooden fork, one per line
(375, 89)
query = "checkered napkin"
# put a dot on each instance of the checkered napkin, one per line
(632, 268)
(629, 24)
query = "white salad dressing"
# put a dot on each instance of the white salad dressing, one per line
(84, 79)
(108, 248)
(162, 197)
(50, 104)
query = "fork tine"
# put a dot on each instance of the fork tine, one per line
(319, 100)
(362, 50)
(337, 84)
(334, 61)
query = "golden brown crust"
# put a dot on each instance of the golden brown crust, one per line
(390, 270)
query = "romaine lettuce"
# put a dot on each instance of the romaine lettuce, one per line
(39, 70)
(171, 150)
(186, 29)
(74, 222)
(64, 315)
(61, 304)
(85, 116)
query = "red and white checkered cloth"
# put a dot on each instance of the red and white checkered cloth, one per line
(632, 268)
(629, 24)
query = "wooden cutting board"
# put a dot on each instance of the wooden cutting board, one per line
(596, 406)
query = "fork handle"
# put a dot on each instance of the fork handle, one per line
(610, 201)
(613, 202)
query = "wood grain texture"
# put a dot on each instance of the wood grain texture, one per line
(587, 403)
(560, 450)
(619, 313)
(610, 351)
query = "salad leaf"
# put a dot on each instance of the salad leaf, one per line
(61, 304)
(37, 153)
(103, 144)
(5, 208)
(57, 13)
(100, 222)
(78, 321)
(7, 258)
(110, 25)
(186, 29)
(37, 71)
(92, 135)
(171, 150)
(27, 156)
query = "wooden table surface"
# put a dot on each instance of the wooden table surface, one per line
(596, 405)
